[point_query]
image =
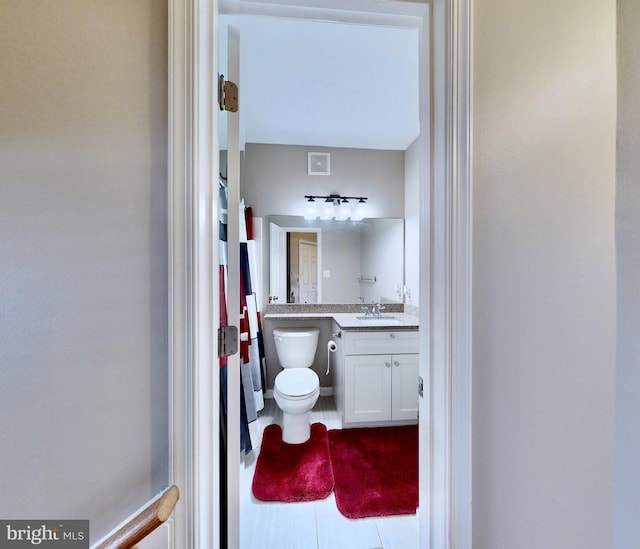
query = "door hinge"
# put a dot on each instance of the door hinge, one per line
(227, 94)
(227, 341)
(420, 386)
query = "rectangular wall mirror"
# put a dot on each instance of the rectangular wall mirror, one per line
(335, 262)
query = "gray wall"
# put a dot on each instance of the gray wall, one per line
(320, 360)
(627, 447)
(275, 180)
(341, 252)
(83, 224)
(83, 396)
(382, 258)
(544, 316)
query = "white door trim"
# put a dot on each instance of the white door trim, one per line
(193, 299)
(193, 253)
(445, 310)
(462, 274)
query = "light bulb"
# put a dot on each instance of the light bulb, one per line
(344, 210)
(360, 210)
(327, 210)
(310, 210)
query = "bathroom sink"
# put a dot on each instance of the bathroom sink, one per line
(379, 319)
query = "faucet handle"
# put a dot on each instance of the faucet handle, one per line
(366, 310)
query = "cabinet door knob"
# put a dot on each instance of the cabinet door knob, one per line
(397, 363)
(392, 336)
(387, 364)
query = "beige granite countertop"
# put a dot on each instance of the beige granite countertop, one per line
(350, 321)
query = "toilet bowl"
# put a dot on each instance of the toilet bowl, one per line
(297, 386)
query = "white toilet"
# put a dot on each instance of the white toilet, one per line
(297, 387)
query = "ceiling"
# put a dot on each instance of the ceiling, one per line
(328, 84)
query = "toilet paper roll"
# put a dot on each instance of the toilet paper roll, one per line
(331, 348)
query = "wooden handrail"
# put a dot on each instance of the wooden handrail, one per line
(145, 522)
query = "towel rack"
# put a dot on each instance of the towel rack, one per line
(367, 279)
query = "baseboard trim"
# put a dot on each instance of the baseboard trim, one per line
(160, 538)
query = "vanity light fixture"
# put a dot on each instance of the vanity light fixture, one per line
(335, 206)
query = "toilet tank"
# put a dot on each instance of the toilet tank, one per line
(296, 347)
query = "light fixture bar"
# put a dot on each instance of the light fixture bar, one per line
(342, 208)
(336, 197)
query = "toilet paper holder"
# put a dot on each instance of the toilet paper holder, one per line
(331, 348)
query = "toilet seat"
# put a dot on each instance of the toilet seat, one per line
(297, 383)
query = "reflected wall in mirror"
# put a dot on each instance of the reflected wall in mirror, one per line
(339, 262)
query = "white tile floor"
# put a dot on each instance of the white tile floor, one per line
(315, 524)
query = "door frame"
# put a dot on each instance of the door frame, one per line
(446, 218)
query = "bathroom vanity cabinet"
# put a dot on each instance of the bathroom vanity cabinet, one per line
(376, 377)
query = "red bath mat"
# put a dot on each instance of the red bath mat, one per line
(375, 470)
(293, 472)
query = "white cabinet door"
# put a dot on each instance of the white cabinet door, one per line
(404, 387)
(366, 385)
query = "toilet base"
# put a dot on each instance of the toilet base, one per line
(296, 428)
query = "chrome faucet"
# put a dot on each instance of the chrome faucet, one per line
(373, 309)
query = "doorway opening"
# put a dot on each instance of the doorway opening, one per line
(446, 327)
(380, 52)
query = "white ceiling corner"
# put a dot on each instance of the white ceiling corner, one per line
(329, 84)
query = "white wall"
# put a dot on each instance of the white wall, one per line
(627, 447)
(544, 94)
(83, 242)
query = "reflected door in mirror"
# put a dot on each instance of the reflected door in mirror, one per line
(308, 271)
(278, 264)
